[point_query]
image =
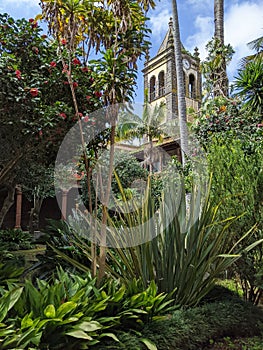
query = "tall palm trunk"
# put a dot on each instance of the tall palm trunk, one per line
(180, 84)
(219, 19)
(221, 84)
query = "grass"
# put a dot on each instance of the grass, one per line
(227, 343)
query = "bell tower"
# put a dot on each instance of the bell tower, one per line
(160, 77)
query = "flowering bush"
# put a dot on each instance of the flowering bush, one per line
(222, 117)
(34, 99)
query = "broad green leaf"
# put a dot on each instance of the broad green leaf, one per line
(89, 326)
(79, 334)
(111, 335)
(66, 308)
(50, 311)
(149, 344)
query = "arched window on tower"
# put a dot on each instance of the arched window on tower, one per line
(191, 86)
(152, 88)
(161, 87)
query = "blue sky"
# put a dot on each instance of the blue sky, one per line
(243, 23)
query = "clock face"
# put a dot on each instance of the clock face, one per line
(186, 63)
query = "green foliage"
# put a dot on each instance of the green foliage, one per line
(126, 168)
(193, 329)
(214, 68)
(226, 119)
(15, 239)
(57, 234)
(72, 312)
(186, 251)
(10, 275)
(238, 183)
(248, 85)
(186, 247)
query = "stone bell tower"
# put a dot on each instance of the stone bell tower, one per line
(160, 77)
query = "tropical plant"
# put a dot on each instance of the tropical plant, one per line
(221, 82)
(123, 37)
(71, 312)
(15, 239)
(249, 87)
(183, 250)
(238, 182)
(214, 68)
(150, 127)
(127, 169)
(182, 115)
(225, 119)
(34, 85)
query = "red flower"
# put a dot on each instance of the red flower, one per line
(31, 20)
(98, 94)
(86, 118)
(63, 41)
(66, 82)
(76, 61)
(18, 74)
(63, 115)
(85, 69)
(34, 25)
(88, 97)
(75, 84)
(65, 68)
(53, 64)
(80, 115)
(44, 36)
(34, 92)
(260, 125)
(35, 49)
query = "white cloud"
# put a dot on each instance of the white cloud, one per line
(20, 3)
(197, 5)
(203, 33)
(243, 23)
(20, 6)
(159, 22)
(159, 26)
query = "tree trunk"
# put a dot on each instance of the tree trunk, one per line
(8, 202)
(219, 20)
(180, 85)
(221, 83)
(34, 215)
(106, 199)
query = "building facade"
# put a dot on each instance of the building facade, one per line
(160, 77)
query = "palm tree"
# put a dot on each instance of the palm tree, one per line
(221, 83)
(180, 85)
(249, 80)
(150, 126)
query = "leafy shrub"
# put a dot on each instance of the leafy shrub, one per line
(71, 312)
(15, 239)
(192, 329)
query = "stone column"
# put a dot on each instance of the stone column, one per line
(18, 207)
(64, 204)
